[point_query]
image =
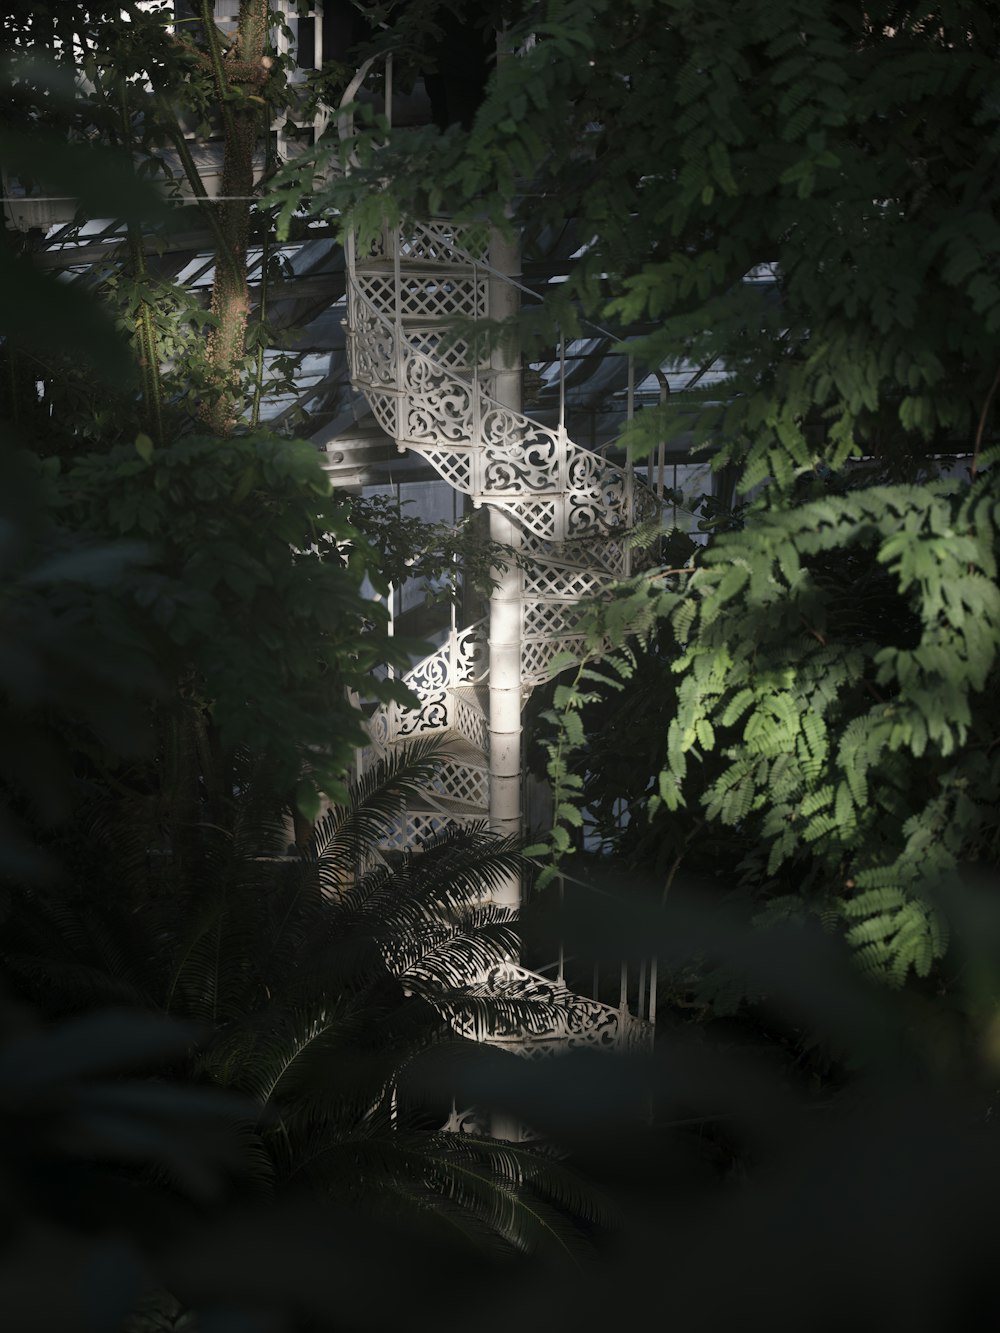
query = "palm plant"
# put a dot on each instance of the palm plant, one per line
(319, 977)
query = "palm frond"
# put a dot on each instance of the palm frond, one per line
(73, 954)
(458, 870)
(346, 836)
(485, 1190)
(274, 1056)
(537, 1167)
(323, 977)
(71, 985)
(445, 959)
(212, 976)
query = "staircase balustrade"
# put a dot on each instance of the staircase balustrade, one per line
(573, 512)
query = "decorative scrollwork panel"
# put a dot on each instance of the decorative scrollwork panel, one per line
(432, 716)
(471, 654)
(473, 1120)
(519, 456)
(536, 1017)
(380, 728)
(437, 406)
(373, 352)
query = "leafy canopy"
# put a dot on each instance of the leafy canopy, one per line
(805, 197)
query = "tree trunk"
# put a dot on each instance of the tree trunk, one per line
(240, 77)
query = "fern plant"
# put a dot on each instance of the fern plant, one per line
(835, 664)
(319, 976)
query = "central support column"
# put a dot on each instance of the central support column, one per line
(505, 602)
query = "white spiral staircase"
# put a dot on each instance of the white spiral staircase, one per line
(571, 511)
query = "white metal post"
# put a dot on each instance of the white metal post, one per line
(505, 601)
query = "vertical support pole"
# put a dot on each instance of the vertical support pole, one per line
(630, 509)
(317, 12)
(390, 628)
(394, 238)
(505, 627)
(505, 600)
(561, 974)
(662, 447)
(562, 385)
(321, 115)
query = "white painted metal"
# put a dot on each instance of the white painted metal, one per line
(564, 509)
(506, 605)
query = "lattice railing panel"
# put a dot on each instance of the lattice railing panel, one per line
(440, 296)
(385, 410)
(470, 724)
(440, 240)
(537, 656)
(596, 552)
(463, 782)
(543, 618)
(541, 519)
(378, 290)
(540, 581)
(453, 467)
(614, 557)
(421, 824)
(453, 354)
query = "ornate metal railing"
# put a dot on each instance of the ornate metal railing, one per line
(573, 512)
(461, 661)
(432, 395)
